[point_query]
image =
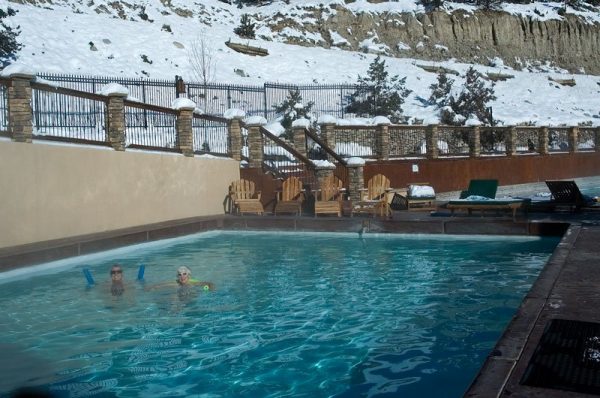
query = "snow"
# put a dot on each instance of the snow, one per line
(183, 103)
(234, 114)
(355, 161)
(17, 69)
(114, 89)
(255, 121)
(301, 123)
(327, 119)
(70, 37)
(323, 164)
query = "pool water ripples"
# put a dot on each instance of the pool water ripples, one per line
(314, 315)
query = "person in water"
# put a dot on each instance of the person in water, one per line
(184, 278)
(117, 286)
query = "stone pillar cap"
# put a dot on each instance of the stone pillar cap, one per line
(355, 162)
(327, 119)
(301, 123)
(234, 113)
(183, 104)
(255, 121)
(114, 90)
(323, 165)
(379, 120)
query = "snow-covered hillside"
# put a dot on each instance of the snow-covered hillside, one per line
(152, 39)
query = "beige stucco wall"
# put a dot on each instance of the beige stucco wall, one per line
(56, 191)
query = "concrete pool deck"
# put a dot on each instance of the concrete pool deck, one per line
(567, 288)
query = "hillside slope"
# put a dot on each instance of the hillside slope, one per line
(154, 38)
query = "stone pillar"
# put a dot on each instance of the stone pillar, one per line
(356, 180)
(431, 140)
(255, 141)
(20, 113)
(185, 141)
(383, 141)
(328, 135)
(299, 139)
(510, 138)
(236, 140)
(597, 139)
(323, 171)
(475, 142)
(573, 139)
(543, 141)
(116, 120)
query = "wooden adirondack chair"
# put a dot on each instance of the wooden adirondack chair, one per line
(244, 197)
(374, 199)
(328, 199)
(290, 198)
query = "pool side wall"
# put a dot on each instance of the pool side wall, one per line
(50, 192)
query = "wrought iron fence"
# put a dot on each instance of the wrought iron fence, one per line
(3, 107)
(150, 128)
(210, 136)
(64, 116)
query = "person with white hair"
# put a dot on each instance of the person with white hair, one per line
(184, 278)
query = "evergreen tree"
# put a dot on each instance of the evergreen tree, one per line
(440, 91)
(378, 93)
(8, 38)
(292, 109)
(247, 28)
(470, 102)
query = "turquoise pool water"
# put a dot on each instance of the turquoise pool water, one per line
(303, 315)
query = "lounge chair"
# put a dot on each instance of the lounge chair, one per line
(481, 196)
(245, 198)
(567, 193)
(291, 197)
(328, 199)
(374, 199)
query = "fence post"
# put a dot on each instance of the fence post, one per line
(475, 142)
(511, 141)
(327, 123)
(234, 126)
(356, 177)
(431, 140)
(298, 129)
(322, 171)
(20, 113)
(116, 117)
(543, 141)
(382, 138)
(185, 112)
(255, 140)
(573, 139)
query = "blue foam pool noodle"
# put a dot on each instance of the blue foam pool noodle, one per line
(88, 276)
(141, 272)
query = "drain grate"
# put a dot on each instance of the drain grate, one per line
(567, 358)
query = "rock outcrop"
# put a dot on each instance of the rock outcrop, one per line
(570, 43)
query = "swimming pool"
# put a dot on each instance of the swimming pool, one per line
(292, 315)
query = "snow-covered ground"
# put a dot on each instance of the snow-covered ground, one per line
(70, 37)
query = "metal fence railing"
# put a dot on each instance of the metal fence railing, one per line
(527, 138)
(210, 136)
(453, 140)
(3, 107)
(150, 128)
(355, 141)
(493, 140)
(586, 139)
(64, 116)
(558, 139)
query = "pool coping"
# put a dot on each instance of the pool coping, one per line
(37, 253)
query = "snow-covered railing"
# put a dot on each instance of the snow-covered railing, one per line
(43, 110)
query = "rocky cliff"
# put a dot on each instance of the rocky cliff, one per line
(481, 36)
